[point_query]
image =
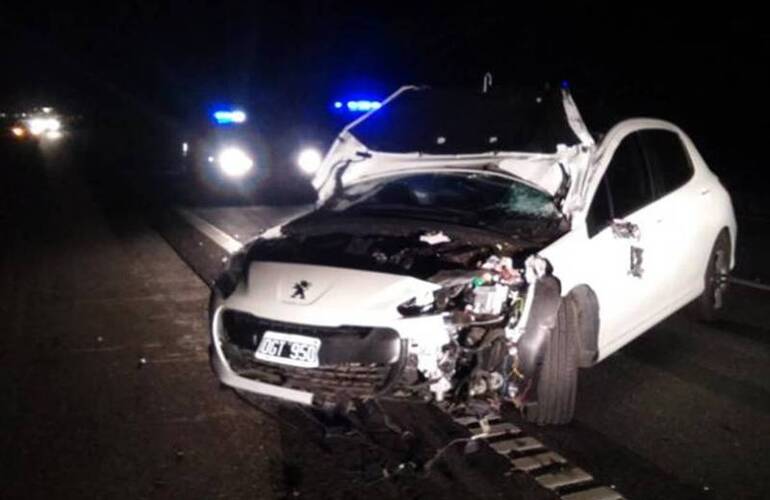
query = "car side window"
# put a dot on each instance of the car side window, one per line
(624, 188)
(669, 161)
(628, 178)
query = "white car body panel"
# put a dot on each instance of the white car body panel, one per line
(675, 258)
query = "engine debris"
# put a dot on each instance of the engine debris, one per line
(482, 307)
(435, 238)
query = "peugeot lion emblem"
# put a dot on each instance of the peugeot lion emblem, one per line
(299, 289)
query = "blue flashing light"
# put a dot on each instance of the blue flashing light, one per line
(229, 116)
(357, 106)
(565, 84)
(363, 106)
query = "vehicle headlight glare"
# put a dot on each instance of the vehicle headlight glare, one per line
(234, 162)
(54, 125)
(39, 126)
(309, 159)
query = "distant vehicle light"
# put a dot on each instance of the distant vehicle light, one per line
(18, 131)
(234, 162)
(337, 104)
(53, 135)
(309, 159)
(185, 148)
(225, 117)
(39, 126)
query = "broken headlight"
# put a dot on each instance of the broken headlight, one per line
(489, 299)
(235, 269)
(430, 302)
(477, 294)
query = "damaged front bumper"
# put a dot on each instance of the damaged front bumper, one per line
(354, 362)
(425, 354)
(230, 378)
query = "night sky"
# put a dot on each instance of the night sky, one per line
(702, 69)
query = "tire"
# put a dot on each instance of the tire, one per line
(557, 382)
(708, 306)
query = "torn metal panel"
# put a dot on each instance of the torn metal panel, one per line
(352, 159)
(575, 119)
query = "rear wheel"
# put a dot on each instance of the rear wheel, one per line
(557, 383)
(708, 306)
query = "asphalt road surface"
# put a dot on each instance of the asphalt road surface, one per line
(106, 392)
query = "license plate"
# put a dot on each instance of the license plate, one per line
(287, 349)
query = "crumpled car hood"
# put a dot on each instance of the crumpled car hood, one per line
(545, 172)
(349, 160)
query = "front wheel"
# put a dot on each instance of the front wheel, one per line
(709, 305)
(557, 382)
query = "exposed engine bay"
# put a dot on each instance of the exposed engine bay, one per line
(483, 308)
(400, 247)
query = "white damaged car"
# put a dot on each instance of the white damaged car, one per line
(471, 249)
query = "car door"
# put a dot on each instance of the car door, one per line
(623, 255)
(683, 204)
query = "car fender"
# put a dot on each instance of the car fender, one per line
(542, 307)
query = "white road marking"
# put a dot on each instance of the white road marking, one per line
(521, 444)
(536, 457)
(599, 493)
(221, 238)
(566, 477)
(538, 461)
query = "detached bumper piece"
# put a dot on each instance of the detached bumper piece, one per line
(354, 362)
